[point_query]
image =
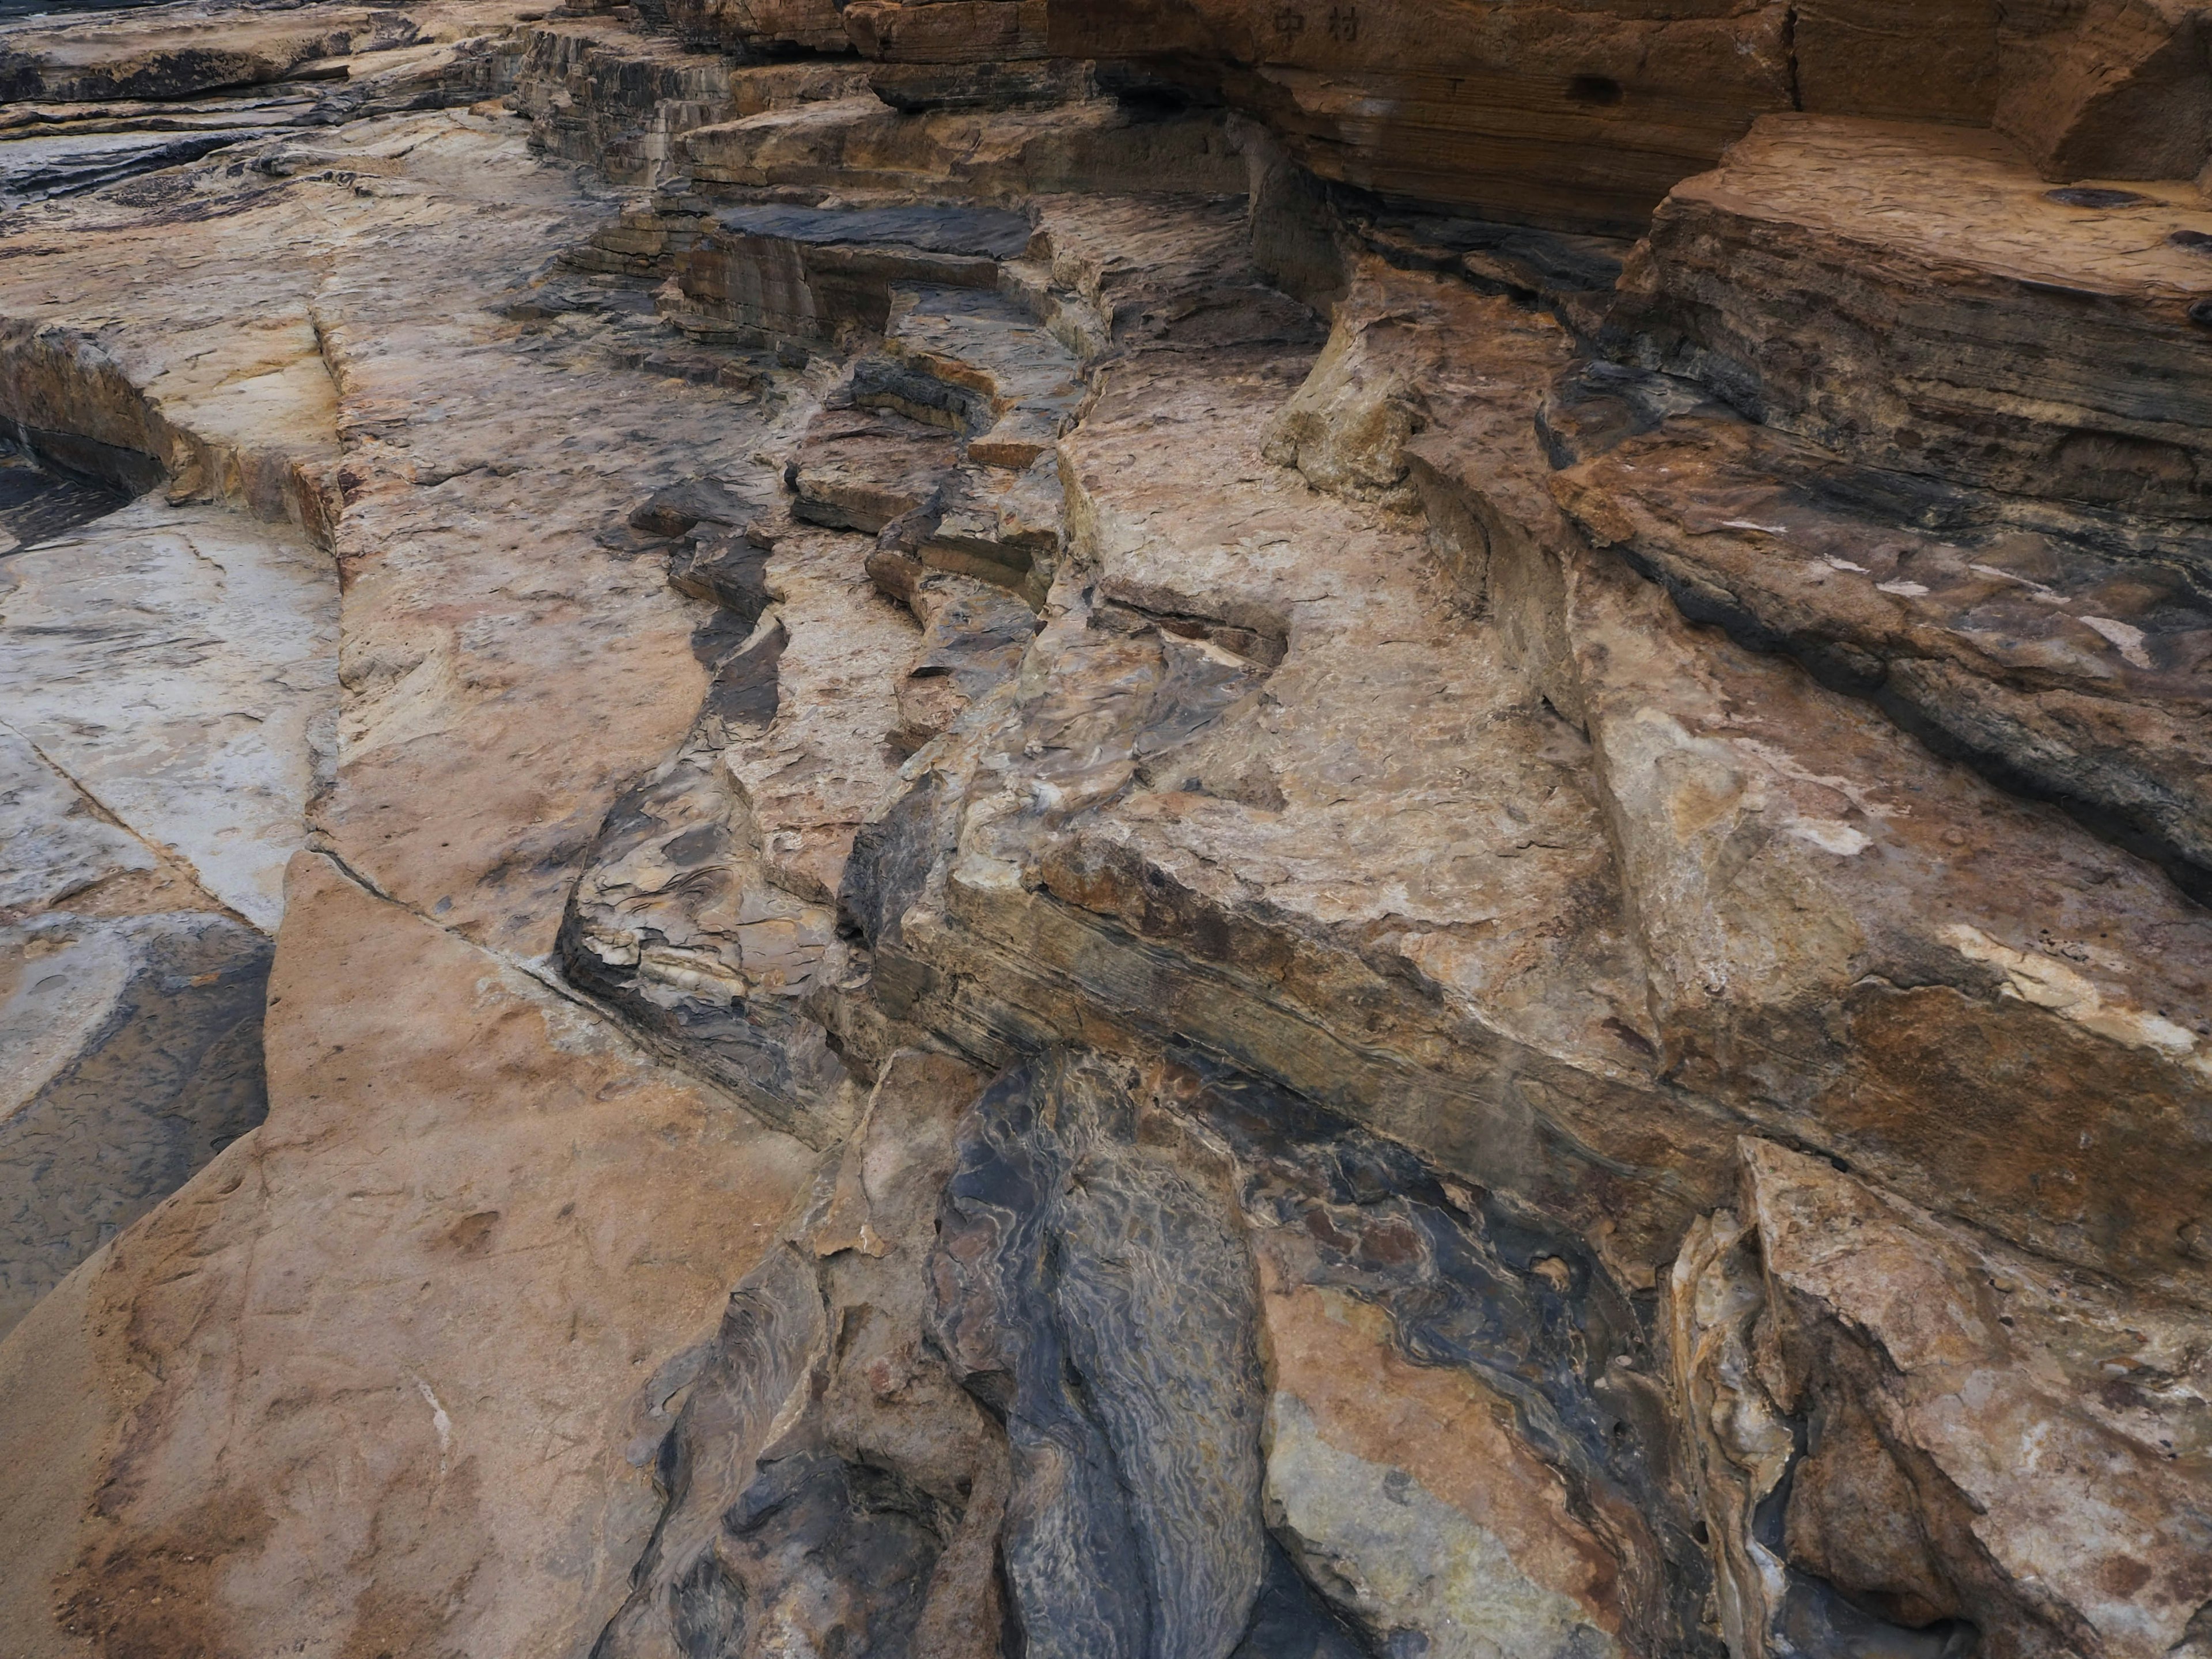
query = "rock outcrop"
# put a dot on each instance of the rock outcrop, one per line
(1177, 830)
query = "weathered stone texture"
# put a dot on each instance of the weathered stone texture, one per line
(1188, 831)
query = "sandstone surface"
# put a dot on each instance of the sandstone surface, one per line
(1177, 831)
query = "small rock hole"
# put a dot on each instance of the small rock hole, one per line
(1594, 90)
(2082, 197)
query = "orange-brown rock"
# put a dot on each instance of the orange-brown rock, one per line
(2107, 89)
(1578, 118)
(448, 1270)
(1138, 846)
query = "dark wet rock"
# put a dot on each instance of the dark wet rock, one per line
(1100, 1301)
(133, 1056)
(677, 507)
(772, 1333)
(993, 232)
(1290, 1621)
(40, 168)
(1594, 406)
(892, 857)
(729, 571)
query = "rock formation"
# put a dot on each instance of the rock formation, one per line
(1174, 830)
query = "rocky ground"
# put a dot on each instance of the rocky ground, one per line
(1144, 832)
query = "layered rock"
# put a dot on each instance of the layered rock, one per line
(1930, 1406)
(1119, 856)
(1916, 297)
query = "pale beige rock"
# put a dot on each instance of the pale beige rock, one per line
(1216, 742)
(179, 663)
(2058, 649)
(59, 843)
(462, 586)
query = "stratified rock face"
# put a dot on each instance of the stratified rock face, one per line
(1170, 831)
(1917, 298)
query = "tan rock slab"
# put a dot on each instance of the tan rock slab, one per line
(380, 1374)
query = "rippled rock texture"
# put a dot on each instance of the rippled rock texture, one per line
(1164, 831)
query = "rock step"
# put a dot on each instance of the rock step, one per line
(1918, 297)
(864, 465)
(811, 274)
(2023, 641)
(860, 143)
(1024, 387)
(942, 441)
(595, 92)
(1862, 873)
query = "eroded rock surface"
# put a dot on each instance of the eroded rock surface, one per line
(1182, 831)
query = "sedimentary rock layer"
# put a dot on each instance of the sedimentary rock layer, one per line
(1195, 831)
